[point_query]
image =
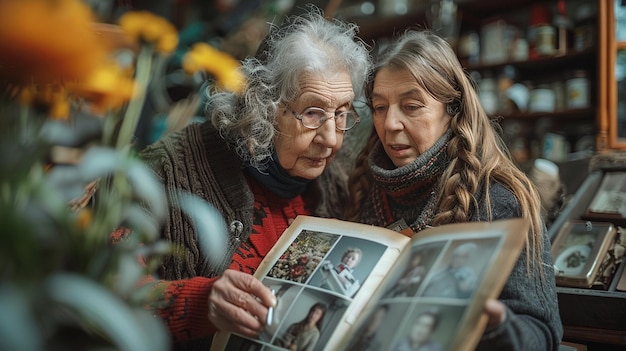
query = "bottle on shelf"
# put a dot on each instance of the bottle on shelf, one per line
(541, 33)
(584, 26)
(577, 88)
(564, 29)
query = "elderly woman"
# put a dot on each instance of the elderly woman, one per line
(256, 161)
(435, 158)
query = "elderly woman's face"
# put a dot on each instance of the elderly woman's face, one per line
(305, 152)
(408, 121)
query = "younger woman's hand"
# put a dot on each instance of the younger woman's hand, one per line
(496, 311)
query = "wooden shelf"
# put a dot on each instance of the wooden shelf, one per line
(569, 114)
(586, 58)
(591, 305)
(485, 8)
(475, 12)
(373, 28)
(595, 335)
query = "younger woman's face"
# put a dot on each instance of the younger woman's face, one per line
(316, 315)
(305, 152)
(407, 119)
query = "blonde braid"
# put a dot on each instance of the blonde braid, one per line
(460, 180)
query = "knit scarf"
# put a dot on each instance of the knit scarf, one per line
(278, 180)
(409, 192)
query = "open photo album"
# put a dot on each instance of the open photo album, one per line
(349, 286)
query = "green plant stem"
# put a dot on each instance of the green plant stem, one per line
(114, 194)
(133, 111)
(114, 190)
(24, 117)
(108, 130)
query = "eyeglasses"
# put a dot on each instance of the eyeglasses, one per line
(315, 117)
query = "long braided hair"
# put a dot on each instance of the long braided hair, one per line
(477, 152)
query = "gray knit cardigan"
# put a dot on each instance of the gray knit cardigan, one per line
(198, 160)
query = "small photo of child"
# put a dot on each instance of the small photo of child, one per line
(347, 265)
(343, 270)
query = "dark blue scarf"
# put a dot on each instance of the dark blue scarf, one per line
(275, 178)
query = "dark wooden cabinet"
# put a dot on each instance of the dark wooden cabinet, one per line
(593, 315)
(589, 315)
(532, 128)
(581, 129)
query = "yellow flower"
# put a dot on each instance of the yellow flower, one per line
(203, 57)
(44, 41)
(150, 28)
(108, 87)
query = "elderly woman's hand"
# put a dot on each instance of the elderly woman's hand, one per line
(496, 311)
(239, 303)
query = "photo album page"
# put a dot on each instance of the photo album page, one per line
(349, 286)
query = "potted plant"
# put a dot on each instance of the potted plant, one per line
(69, 178)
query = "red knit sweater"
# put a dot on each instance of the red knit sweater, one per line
(186, 314)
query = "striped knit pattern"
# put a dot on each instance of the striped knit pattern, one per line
(408, 192)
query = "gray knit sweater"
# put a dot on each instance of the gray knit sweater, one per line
(533, 321)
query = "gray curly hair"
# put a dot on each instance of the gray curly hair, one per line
(305, 43)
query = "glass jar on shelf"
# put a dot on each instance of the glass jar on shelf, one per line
(577, 89)
(488, 94)
(542, 99)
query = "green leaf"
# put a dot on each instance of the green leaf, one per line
(18, 328)
(209, 223)
(129, 273)
(127, 329)
(142, 222)
(147, 186)
(67, 181)
(99, 162)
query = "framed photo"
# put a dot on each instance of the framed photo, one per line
(621, 283)
(578, 250)
(609, 202)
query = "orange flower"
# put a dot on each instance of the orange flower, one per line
(150, 28)
(59, 103)
(203, 57)
(44, 41)
(84, 218)
(51, 97)
(107, 87)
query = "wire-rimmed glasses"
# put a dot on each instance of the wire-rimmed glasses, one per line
(315, 117)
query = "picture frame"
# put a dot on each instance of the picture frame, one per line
(609, 202)
(621, 283)
(578, 250)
